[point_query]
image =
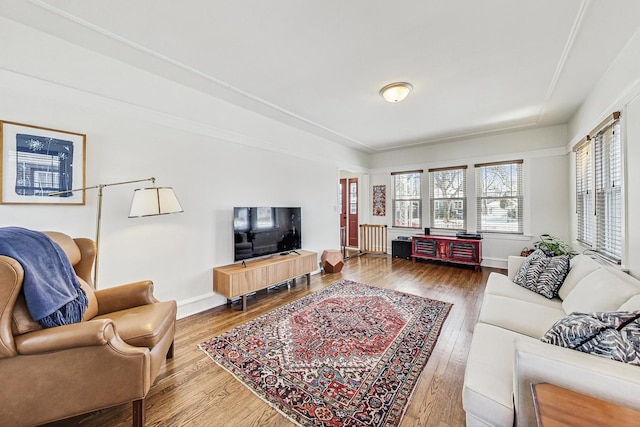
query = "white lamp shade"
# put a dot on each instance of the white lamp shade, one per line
(154, 201)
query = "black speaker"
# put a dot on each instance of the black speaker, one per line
(401, 249)
(427, 231)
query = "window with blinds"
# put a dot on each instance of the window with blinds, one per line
(608, 191)
(448, 200)
(407, 199)
(584, 192)
(499, 197)
(599, 189)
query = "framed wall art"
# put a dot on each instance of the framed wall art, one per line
(379, 200)
(37, 161)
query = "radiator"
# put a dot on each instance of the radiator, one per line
(373, 239)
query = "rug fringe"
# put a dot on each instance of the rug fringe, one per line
(441, 322)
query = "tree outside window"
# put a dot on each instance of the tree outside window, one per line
(499, 197)
(407, 199)
(448, 199)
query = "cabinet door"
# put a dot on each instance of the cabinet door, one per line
(306, 264)
(248, 281)
(281, 272)
(464, 251)
(424, 247)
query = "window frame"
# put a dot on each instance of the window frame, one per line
(414, 199)
(434, 201)
(482, 195)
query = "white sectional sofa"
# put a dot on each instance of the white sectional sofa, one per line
(506, 355)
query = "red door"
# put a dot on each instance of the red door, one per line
(353, 212)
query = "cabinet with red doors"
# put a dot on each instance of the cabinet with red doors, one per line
(449, 249)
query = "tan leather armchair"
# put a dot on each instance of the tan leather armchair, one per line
(112, 357)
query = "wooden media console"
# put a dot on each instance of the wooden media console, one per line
(240, 279)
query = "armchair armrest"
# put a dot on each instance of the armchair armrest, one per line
(83, 334)
(596, 376)
(513, 264)
(11, 276)
(125, 296)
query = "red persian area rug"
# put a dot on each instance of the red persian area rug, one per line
(347, 355)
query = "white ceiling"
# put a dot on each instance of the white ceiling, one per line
(477, 67)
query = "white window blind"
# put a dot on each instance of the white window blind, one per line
(448, 198)
(599, 189)
(499, 197)
(407, 199)
(584, 192)
(608, 194)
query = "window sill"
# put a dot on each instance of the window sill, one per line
(507, 236)
(586, 250)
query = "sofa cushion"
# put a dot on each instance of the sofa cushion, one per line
(581, 267)
(605, 289)
(487, 393)
(524, 317)
(632, 304)
(545, 275)
(614, 335)
(22, 322)
(499, 284)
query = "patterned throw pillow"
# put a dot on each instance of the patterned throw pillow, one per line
(614, 335)
(521, 274)
(541, 274)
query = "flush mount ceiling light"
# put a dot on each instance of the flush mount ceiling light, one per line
(396, 92)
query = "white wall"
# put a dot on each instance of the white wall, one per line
(618, 90)
(214, 154)
(217, 156)
(545, 176)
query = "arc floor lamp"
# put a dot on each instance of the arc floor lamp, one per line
(149, 201)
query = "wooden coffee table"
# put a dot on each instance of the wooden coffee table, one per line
(556, 406)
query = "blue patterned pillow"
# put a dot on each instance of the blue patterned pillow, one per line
(614, 335)
(541, 274)
(521, 274)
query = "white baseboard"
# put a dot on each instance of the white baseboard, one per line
(494, 263)
(205, 302)
(200, 303)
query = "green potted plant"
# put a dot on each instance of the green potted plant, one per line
(552, 246)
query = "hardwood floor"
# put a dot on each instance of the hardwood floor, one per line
(192, 390)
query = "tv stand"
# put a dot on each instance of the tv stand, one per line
(238, 280)
(449, 249)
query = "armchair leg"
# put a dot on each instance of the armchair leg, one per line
(170, 352)
(139, 413)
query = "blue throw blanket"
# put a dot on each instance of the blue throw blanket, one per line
(51, 288)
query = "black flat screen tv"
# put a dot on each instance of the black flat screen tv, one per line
(262, 231)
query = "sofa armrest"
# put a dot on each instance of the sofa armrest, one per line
(83, 334)
(513, 264)
(125, 296)
(537, 362)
